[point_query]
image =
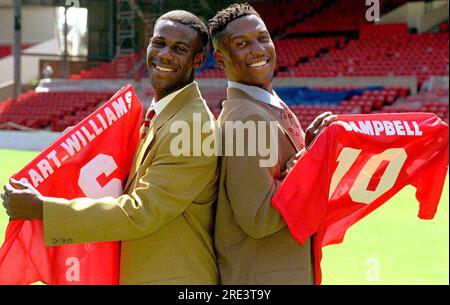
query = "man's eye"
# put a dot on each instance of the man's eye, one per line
(156, 43)
(242, 44)
(181, 50)
(264, 38)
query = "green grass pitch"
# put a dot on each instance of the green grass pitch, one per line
(390, 246)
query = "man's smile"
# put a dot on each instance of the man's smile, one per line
(259, 63)
(163, 68)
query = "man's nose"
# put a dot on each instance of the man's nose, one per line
(166, 54)
(258, 48)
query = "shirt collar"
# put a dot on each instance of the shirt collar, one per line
(258, 94)
(162, 103)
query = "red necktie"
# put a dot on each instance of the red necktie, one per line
(148, 119)
(293, 126)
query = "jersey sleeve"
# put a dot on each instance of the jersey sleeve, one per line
(302, 198)
(430, 183)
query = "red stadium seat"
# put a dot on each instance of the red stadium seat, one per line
(39, 110)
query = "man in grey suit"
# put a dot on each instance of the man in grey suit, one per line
(252, 241)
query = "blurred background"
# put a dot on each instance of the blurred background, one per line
(60, 60)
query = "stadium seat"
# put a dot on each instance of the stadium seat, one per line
(57, 110)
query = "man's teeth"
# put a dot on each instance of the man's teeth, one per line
(164, 69)
(258, 64)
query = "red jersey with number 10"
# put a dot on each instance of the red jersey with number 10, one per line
(355, 165)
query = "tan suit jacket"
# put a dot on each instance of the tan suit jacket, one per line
(165, 218)
(253, 243)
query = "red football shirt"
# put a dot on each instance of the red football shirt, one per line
(86, 161)
(354, 166)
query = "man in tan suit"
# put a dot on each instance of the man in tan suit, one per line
(253, 243)
(165, 218)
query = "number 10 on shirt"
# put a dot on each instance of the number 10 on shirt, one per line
(359, 192)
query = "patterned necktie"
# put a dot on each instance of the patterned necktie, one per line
(148, 119)
(292, 124)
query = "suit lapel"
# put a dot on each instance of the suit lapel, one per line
(188, 94)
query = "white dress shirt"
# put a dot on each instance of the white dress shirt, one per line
(258, 94)
(162, 103)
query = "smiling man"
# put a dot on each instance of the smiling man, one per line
(165, 217)
(252, 241)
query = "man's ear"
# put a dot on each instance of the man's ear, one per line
(146, 52)
(150, 40)
(199, 60)
(219, 59)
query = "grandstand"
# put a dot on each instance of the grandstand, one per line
(329, 58)
(56, 109)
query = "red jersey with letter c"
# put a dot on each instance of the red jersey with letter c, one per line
(92, 159)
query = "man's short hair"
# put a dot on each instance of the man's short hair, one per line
(219, 22)
(190, 20)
